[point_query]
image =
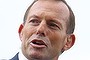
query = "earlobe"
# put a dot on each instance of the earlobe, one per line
(70, 42)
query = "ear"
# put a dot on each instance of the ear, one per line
(69, 42)
(20, 30)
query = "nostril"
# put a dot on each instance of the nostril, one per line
(41, 31)
(41, 34)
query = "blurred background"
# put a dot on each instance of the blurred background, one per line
(11, 16)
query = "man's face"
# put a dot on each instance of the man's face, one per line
(44, 34)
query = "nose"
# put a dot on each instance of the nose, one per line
(41, 29)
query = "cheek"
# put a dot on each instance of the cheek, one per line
(57, 40)
(26, 34)
(28, 31)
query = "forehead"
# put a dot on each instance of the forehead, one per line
(55, 8)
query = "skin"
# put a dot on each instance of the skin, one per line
(46, 21)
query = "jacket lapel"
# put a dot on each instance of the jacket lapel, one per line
(15, 57)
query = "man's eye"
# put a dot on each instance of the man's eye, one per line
(34, 22)
(54, 26)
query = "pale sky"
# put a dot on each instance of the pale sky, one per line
(11, 16)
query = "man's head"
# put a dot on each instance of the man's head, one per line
(47, 30)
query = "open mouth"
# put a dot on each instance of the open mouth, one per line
(38, 43)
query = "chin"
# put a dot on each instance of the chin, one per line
(35, 55)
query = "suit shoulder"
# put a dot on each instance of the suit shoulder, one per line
(15, 57)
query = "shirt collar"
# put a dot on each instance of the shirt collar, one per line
(21, 56)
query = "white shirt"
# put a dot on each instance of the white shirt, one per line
(21, 56)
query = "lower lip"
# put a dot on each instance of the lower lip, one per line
(37, 46)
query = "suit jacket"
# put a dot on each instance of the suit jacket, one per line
(15, 57)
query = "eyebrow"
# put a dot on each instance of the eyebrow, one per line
(34, 16)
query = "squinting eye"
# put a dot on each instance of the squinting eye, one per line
(54, 26)
(34, 22)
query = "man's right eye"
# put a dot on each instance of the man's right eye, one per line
(34, 22)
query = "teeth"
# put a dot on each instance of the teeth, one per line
(38, 42)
